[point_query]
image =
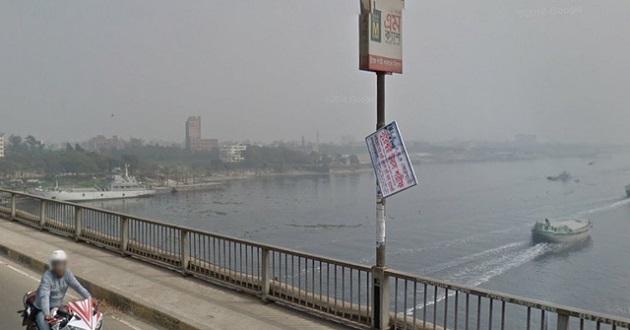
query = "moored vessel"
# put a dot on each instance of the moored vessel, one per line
(561, 231)
(114, 186)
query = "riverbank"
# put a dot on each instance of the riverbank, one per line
(228, 175)
(212, 182)
(202, 186)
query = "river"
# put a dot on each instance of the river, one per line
(465, 222)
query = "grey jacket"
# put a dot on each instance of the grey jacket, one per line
(52, 290)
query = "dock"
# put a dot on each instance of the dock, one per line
(204, 186)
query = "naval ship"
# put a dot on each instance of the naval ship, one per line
(114, 186)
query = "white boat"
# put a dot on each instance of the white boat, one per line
(115, 186)
(561, 231)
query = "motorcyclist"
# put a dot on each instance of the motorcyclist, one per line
(53, 287)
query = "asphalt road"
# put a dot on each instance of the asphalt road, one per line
(15, 280)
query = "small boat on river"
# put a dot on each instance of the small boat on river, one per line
(561, 231)
(564, 177)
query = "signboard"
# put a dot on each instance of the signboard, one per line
(380, 35)
(392, 166)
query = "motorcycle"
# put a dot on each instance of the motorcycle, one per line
(76, 315)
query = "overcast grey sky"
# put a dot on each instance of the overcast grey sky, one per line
(280, 69)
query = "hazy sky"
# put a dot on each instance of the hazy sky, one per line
(280, 69)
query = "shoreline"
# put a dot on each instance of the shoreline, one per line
(217, 181)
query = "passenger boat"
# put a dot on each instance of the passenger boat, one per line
(115, 186)
(561, 231)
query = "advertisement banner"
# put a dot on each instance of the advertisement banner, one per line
(380, 35)
(392, 166)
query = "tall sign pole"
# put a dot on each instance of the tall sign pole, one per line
(380, 51)
(380, 200)
(380, 287)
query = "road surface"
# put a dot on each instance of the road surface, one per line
(15, 280)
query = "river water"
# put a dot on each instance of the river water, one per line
(466, 222)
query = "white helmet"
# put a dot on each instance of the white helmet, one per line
(57, 256)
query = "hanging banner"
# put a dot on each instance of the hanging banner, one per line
(392, 166)
(380, 35)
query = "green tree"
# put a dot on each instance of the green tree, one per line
(33, 144)
(15, 144)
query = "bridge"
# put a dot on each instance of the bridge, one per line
(193, 279)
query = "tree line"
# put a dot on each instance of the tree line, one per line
(29, 157)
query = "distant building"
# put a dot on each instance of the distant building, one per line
(113, 142)
(525, 140)
(1, 145)
(193, 131)
(97, 143)
(194, 142)
(347, 139)
(232, 153)
(203, 145)
(101, 142)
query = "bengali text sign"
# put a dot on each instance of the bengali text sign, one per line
(392, 166)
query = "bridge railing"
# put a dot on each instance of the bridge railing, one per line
(418, 300)
(330, 288)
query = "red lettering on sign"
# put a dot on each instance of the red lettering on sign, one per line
(392, 162)
(387, 144)
(399, 179)
(392, 22)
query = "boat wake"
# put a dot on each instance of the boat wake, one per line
(482, 272)
(447, 243)
(612, 206)
(473, 257)
(485, 271)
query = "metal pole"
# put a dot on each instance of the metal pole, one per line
(380, 201)
(380, 281)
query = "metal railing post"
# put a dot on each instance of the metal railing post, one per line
(380, 294)
(78, 222)
(184, 251)
(264, 273)
(13, 207)
(563, 322)
(42, 215)
(124, 235)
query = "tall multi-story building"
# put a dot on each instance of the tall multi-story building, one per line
(194, 142)
(193, 131)
(1, 145)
